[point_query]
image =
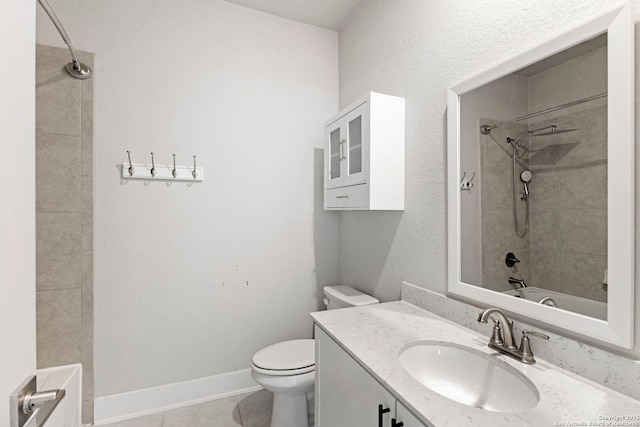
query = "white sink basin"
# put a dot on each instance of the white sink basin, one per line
(469, 376)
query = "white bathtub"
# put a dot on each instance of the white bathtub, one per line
(69, 378)
(567, 302)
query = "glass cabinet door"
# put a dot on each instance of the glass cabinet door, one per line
(355, 146)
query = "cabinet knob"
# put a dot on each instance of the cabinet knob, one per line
(381, 411)
(396, 424)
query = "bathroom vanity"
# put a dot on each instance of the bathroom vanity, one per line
(361, 381)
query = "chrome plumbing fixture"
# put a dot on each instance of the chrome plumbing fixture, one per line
(130, 164)
(519, 282)
(153, 166)
(548, 301)
(511, 259)
(75, 68)
(505, 343)
(173, 171)
(29, 407)
(194, 173)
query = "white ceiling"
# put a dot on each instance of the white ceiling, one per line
(330, 14)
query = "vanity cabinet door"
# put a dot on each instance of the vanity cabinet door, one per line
(404, 416)
(346, 395)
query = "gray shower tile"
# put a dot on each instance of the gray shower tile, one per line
(153, 420)
(498, 233)
(546, 269)
(255, 408)
(87, 363)
(545, 190)
(584, 231)
(582, 275)
(544, 226)
(52, 51)
(87, 288)
(58, 250)
(87, 137)
(57, 173)
(87, 412)
(585, 187)
(87, 213)
(58, 98)
(219, 413)
(87, 84)
(58, 336)
(496, 188)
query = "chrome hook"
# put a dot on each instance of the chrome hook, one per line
(173, 172)
(470, 182)
(194, 173)
(130, 164)
(463, 175)
(153, 166)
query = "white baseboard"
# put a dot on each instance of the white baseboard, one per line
(122, 406)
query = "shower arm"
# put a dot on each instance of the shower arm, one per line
(75, 68)
(56, 22)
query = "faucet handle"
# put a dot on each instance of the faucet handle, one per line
(496, 335)
(526, 355)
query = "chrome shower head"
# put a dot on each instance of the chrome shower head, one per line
(526, 176)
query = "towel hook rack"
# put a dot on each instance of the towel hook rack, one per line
(130, 164)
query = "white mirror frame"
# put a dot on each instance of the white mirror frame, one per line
(618, 328)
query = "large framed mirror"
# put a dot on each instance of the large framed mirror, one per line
(541, 182)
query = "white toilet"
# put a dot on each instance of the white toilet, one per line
(287, 369)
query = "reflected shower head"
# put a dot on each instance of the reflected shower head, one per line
(526, 176)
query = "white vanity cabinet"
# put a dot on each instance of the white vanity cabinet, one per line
(347, 395)
(364, 155)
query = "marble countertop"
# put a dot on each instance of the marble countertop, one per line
(375, 334)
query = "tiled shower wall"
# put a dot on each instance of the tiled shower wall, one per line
(569, 205)
(64, 217)
(565, 249)
(498, 233)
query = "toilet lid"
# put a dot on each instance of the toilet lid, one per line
(287, 355)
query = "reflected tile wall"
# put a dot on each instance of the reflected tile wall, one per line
(565, 249)
(498, 233)
(64, 217)
(569, 204)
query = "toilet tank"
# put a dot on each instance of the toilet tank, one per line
(345, 296)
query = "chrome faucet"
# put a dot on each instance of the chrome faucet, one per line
(519, 282)
(507, 345)
(497, 335)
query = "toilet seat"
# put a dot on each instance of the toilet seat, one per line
(293, 357)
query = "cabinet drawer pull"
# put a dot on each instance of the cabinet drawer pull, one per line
(342, 197)
(396, 424)
(342, 142)
(381, 412)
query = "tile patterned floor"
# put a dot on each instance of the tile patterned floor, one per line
(245, 410)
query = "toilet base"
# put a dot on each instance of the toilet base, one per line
(289, 410)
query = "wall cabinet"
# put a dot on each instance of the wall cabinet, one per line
(364, 155)
(347, 395)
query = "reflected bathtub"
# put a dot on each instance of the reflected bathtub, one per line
(69, 378)
(567, 302)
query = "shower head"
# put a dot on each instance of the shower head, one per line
(549, 130)
(526, 176)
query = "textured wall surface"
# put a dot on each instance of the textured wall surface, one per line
(17, 213)
(417, 50)
(192, 280)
